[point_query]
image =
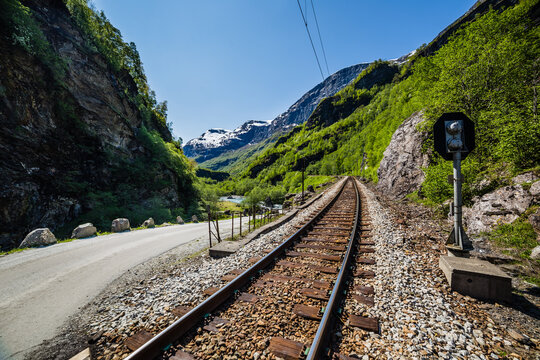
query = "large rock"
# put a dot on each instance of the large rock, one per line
(535, 253)
(149, 223)
(38, 237)
(179, 220)
(534, 219)
(527, 177)
(535, 191)
(84, 230)
(503, 205)
(120, 224)
(194, 219)
(400, 172)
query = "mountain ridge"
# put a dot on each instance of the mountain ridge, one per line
(207, 147)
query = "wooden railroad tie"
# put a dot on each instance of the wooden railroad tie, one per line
(315, 255)
(286, 349)
(180, 311)
(315, 294)
(364, 260)
(137, 340)
(365, 290)
(237, 271)
(254, 259)
(362, 299)
(308, 312)
(366, 242)
(364, 323)
(322, 247)
(247, 297)
(338, 228)
(211, 290)
(182, 355)
(228, 277)
(215, 325)
(320, 284)
(294, 265)
(366, 274)
(365, 250)
(335, 241)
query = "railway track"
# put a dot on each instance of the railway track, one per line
(304, 299)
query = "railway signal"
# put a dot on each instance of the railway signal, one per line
(453, 138)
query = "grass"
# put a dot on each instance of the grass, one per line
(313, 180)
(229, 205)
(532, 279)
(518, 236)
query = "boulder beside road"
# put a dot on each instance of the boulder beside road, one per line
(149, 223)
(38, 237)
(84, 230)
(120, 224)
(179, 220)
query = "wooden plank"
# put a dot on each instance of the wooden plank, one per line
(366, 242)
(215, 325)
(237, 271)
(247, 297)
(339, 228)
(254, 259)
(366, 290)
(320, 284)
(294, 265)
(308, 312)
(315, 255)
(228, 277)
(315, 294)
(289, 264)
(286, 349)
(364, 260)
(365, 235)
(137, 340)
(336, 241)
(365, 250)
(211, 290)
(344, 357)
(365, 323)
(322, 247)
(324, 269)
(182, 355)
(180, 311)
(366, 274)
(362, 299)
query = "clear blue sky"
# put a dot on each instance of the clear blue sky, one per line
(219, 63)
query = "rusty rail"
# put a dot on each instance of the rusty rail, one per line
(318, 346)
(155, 346)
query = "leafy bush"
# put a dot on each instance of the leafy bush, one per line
(519, 235)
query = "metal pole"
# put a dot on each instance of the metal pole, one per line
(457, 200)
(209, 221)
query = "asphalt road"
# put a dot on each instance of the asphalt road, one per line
(40, 288)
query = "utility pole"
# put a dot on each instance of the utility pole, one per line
(303, 170)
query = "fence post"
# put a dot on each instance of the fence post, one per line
(232, 225)
(209, 221)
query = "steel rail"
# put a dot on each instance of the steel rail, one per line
(318, 346)
(155, 346)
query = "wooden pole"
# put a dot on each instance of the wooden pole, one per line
(249, 221)
(232, 225)
(240, 224)
(217, 229)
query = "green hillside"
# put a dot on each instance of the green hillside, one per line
(488, 69)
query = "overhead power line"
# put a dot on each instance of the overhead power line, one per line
(310, 40)
(320, 38)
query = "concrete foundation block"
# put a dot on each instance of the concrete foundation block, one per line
(476, 278)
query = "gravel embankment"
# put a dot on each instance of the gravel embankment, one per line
(419, 317)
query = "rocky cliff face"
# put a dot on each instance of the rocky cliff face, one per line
(215, 142)
(400, 172)
(60, 140)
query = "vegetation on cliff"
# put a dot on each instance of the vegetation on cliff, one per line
(488, 69)
(94, 155)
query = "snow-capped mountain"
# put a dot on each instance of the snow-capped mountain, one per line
(214, 142)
